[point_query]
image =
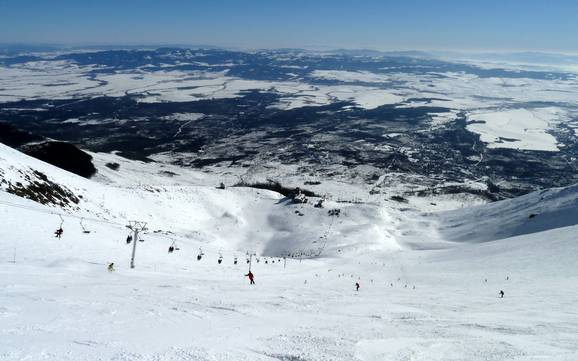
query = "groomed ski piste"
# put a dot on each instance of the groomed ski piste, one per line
(429, 282)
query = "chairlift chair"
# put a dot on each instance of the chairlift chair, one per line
(84, 230)
(59, 231)
(173, 247)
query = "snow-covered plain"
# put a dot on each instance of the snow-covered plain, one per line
(429, 282)
(517, 128)
(513, 107)
(62, 80)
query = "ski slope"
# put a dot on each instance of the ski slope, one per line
(429, 282)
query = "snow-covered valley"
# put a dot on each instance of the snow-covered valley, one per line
(429, 282)
(491, 131)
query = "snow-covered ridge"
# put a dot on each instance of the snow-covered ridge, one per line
(533, 213)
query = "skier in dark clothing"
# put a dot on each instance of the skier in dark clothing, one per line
(357, 286)
(501, 294)
(58, 233)
(251, 277)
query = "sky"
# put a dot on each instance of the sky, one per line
(467, 25)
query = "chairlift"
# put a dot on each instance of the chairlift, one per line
(84, 230)
(58, 233)
(173, 247)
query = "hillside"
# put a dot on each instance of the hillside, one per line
(429, 282)
(532, 213)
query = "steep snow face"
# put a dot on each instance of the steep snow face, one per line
(532, 213)
(59, 302)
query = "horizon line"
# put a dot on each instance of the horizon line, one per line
(324, 48)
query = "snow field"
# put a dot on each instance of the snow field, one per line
(59, 302)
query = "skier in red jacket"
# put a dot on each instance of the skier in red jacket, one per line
(251, 277)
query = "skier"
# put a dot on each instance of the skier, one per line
(357, 286)
(128, 239)
(501, 294)
(111, 267)
(251, 277)
(171, 249)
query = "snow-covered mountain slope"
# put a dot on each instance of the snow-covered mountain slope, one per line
(532, 213)
(260, 220)
(59, 302)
